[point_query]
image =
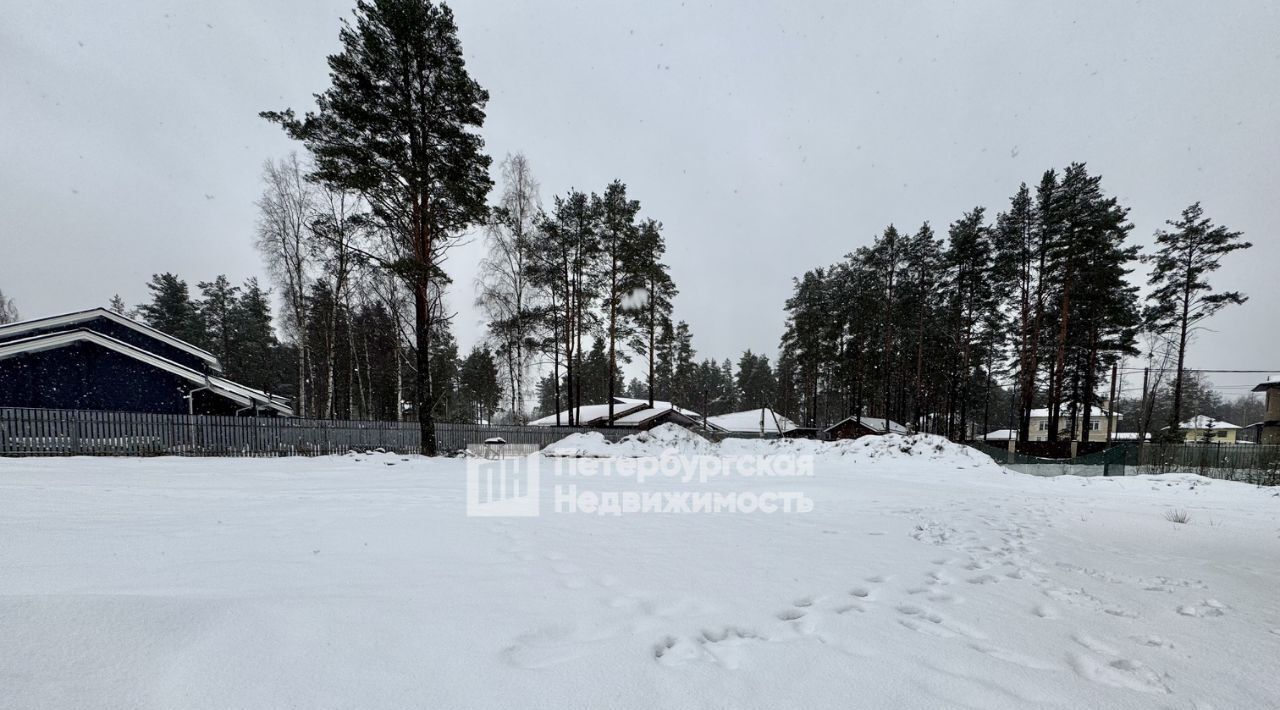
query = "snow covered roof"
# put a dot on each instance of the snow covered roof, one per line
(627, 412)
(72, 319)
(1066, 412)
(1200, 421)
(1001, 435)
(246, 396)
(585, 413)
(643, 416)
(1272, 382)
(657, 404)
(752, 420)
(885, 425)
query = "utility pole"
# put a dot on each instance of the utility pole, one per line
(1111, 405)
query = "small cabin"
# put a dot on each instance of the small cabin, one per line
(856, 427)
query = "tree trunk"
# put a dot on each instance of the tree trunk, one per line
(423, 321)
(1175, 416)
(652, 336)
(1090, 384)
(1060, 363)
(613, 332)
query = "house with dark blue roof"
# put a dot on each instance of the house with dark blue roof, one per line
(99, 359)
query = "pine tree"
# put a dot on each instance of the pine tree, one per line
(478, 389)
(654, 311)
(255, 359)
(664, 349)
(1182, 296)
(636, 389)
(1020, 256)
(444, 376)
(803, 340)
(756, 384)
(684, 387)
(973, 296)
(117, 305)
(398, 127)
(218, 298)
(620, 271)
(923, 271)
(566, 258)
(172, 310)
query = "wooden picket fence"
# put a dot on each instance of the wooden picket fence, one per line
(68, 432)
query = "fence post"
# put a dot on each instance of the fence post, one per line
(74, 426)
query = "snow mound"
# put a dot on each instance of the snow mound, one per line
(666, 436)
(661, 439)
(671, 438)
(926, 446)
(579, 445)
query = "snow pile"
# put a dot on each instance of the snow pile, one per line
(910, 446)
(671, 438)
(666, 437)
(579, 445)
(661, 439)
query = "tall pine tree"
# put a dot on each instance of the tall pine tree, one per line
(397, 126)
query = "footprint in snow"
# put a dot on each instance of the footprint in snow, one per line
(718, 645)
(1208, 607)
(1045, 611)
(1012, 657)
(1152, 641)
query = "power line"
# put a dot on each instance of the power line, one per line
(1192, 369)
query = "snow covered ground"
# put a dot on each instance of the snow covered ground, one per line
(924, 577)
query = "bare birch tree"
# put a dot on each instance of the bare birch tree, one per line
(505, 291)
(286, 212)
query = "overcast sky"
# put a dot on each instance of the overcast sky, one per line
(769, 137)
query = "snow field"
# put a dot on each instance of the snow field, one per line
(925, 577)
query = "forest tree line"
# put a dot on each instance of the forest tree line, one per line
(1034, 308)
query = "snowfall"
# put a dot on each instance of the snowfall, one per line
(925, 576)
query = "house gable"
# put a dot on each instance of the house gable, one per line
(119, 328)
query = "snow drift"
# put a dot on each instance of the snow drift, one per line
(669, 439)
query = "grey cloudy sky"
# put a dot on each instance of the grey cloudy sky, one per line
(769, 137)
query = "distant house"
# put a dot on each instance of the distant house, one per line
(1128, 436)
(1100, 422)
(1201, 428)
(629, 413)
(98, 359)
(761, 421)
(1269, 431)
(855, 427)
(1000, 435)
(1006, 435)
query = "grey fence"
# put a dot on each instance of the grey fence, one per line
(1250, 463)
(65, 432)
(1110, 462)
